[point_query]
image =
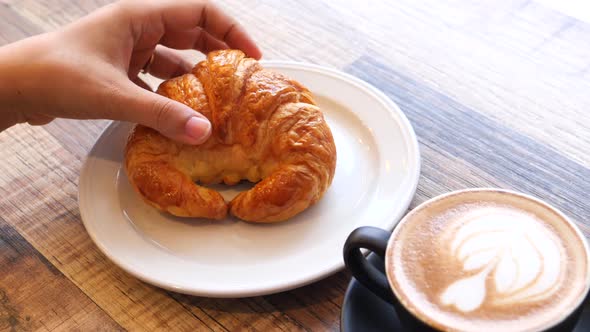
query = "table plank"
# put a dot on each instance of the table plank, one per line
(13, 26)
(34, 295)
(516, 61)
(49, 15)
(492, 148)
(50, 221)
(76, 136)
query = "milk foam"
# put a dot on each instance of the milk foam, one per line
(488, 261)
(518, 252)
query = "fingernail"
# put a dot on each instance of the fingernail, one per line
(198, 128)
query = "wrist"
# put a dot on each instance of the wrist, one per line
(9, 92)
(17, 80)
(11, 84)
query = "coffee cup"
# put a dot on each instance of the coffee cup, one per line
(478, 260)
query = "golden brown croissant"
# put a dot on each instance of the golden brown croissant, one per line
(266, 128)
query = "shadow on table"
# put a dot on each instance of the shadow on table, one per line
(320, 299)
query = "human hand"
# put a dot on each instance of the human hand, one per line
(88, 69)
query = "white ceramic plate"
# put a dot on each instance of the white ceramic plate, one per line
(376, 176)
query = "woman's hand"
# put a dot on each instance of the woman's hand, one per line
(88, 69)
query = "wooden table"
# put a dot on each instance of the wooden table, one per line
(497, 91)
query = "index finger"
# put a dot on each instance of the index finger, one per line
(188, 14)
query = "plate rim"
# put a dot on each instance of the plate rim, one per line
(414, 158)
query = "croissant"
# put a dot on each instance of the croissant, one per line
(266, 129)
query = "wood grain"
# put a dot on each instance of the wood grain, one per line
(497, 92)
(35, 295)
(520, 162)
(14, 27)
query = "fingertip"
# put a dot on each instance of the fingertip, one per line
(197, 130)
(255, 53)
(251, 50)
(169, 63)
(238, 38)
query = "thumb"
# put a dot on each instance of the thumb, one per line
(171, 118)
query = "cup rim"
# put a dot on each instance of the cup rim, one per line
(423, 318)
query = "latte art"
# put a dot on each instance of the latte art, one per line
(488, 261)
(522, 257)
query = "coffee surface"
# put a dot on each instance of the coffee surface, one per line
(488, 261)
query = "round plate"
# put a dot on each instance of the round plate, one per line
(376, 176)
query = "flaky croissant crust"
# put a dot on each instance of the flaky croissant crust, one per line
(266, 128)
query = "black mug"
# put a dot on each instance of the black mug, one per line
(377, 240)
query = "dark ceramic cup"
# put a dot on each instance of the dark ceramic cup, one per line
(380, 242)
